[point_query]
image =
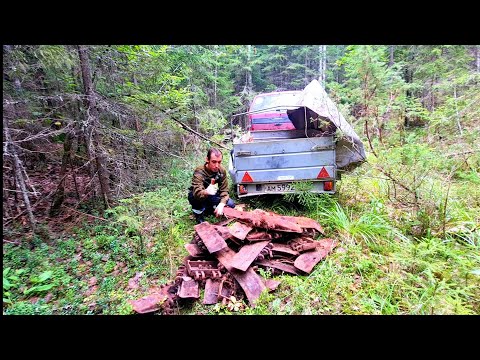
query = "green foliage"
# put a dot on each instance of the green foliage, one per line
(211, 121)
(39, 284)
(371, 227)
(27, 308)
(415, 111)
(303, 194)
(370, 82)
(10, 281)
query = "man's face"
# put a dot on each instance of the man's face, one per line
(213, 164)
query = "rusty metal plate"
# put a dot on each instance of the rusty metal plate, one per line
(304, 222)
(270, 220)
(194, 250)
(264, 220)
(285, 249)
(223, 232)
(211, 292)
(239, 230)
(151, 302)
(210, 237)
(224, 222)
(308, 260)
(327, 244)
(272, 284)
(259, 236)
(189, 288)
(247, 255)
(250, 282)
(280, 266)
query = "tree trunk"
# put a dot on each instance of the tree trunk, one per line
(322, 64)
(9, 150)
(408, 80)
(6, 212)
(215, 81)
(74, 176)
(392, 60)
(59, 195)
(305, 75)
(248, 72)
(17, 85)
(92, 119)
(15, 194)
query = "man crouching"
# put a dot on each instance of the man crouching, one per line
(209, 191)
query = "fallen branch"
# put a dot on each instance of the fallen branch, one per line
(368, 138)
(11, 242)
(186, 127)
(462, 153)
(387, 174)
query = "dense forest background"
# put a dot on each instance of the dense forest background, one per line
(85, 128)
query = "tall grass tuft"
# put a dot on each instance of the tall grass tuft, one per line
(370, 227)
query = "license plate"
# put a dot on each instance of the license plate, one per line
(277, 188)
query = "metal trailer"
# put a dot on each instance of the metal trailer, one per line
(273, 161)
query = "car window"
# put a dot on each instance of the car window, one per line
(276, 100)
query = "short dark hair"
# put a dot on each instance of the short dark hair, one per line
(214, 151)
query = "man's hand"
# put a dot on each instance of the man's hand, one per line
(211, 189)
(219, 210)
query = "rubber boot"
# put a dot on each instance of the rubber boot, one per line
(199, 218)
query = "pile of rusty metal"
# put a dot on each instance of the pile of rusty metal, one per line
(224, 259)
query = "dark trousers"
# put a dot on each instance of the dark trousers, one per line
(206, 206)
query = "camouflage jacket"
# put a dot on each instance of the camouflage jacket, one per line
(202, 178)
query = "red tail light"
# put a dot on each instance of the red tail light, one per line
(328, 185)
(242, 189)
